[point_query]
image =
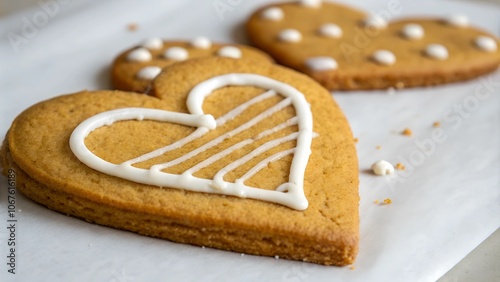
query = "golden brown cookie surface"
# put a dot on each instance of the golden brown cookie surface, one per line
(135, 68)
(325, 232)
(343, 48)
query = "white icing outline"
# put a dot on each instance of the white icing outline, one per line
(290, 194)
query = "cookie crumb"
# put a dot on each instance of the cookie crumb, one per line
(356, 140)
(387, 201)
(400, 166)
(407, 132)
(376, 202)
(352, 267)
(436, 124)
(132, 26)
(378, 147)
(400, 85)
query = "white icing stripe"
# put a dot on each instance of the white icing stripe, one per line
(238, 110)
(294, 198)
(201, 131)
(225, 136)
(240, 145)
(219, 177)
(258, 167)
(198, 133)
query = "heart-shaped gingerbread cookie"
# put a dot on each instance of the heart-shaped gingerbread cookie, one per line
(344, 48)
(135, 68)
(227, 155)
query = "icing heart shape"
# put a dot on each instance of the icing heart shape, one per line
(38, 148)
(345, 48)
(290, 193)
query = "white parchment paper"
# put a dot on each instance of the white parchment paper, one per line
(445, 203)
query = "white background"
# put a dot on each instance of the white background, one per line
(442, 208)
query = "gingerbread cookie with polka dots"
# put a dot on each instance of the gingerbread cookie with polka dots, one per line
(134, 69)
(348, 49)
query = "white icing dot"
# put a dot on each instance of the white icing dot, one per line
(375, 21)
(311, 3)
(486, 43)
(413, 31)
(384, 57)
(330, 30)
(176, 53)
(436, 51)
(457, 20)
(321, 63)
(148, 73)
(290, 35)
(230, 52)
(382, 168)
(272, 14)
(201, 43)
(139, 55)
(153, 43)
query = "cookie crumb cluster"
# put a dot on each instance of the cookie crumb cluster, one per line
(400, 166)
(407, 132)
